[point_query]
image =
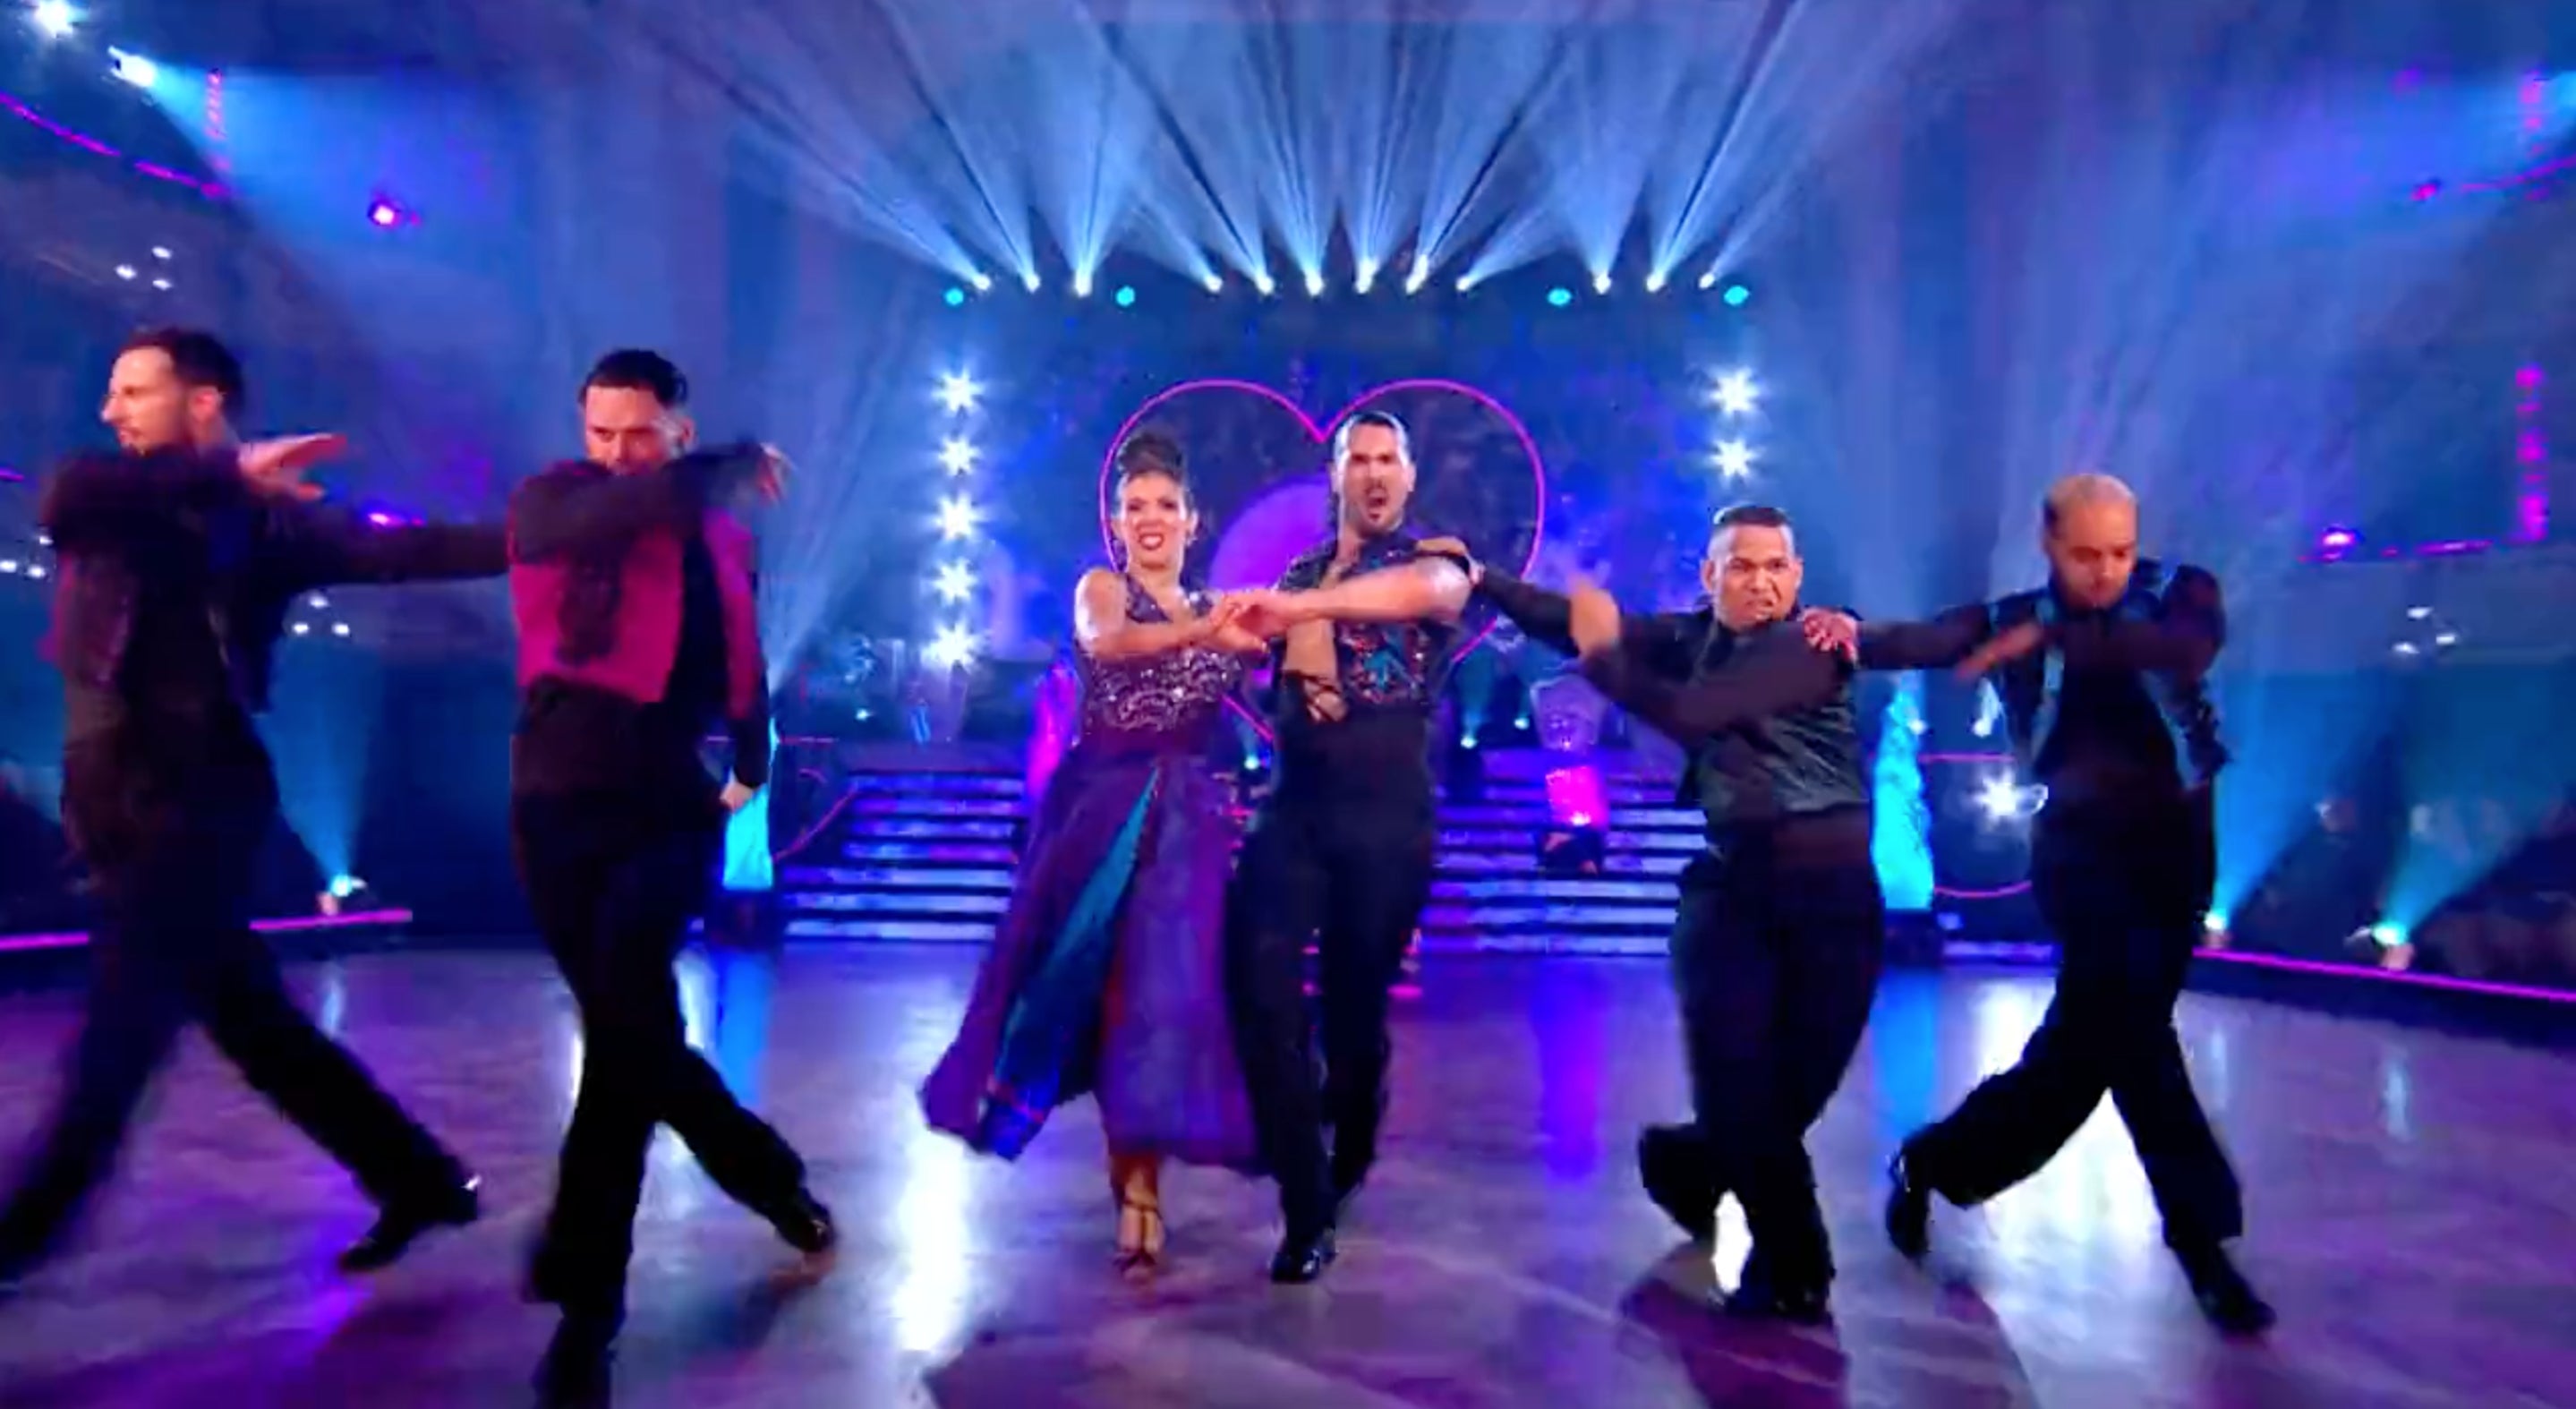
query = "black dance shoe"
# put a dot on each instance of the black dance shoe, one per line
(1302, 1258)
(1759, 1297)
(2226, 1298)
(1669, 1165)
(399, 1225)
(575, 1371)
(805, 1225)
(1909, 1210)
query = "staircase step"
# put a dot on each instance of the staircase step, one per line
(930, 804)
(1525, 861)
(1523, 839)
(1498, 918)
(1002, 785)
(913, 878)
(1645, 891)
(891, 931)
(921, 853)
(871, 902)
(966, 829)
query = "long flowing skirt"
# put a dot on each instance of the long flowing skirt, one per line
(1107, 976)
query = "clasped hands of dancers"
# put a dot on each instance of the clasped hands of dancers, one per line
(1146, 958)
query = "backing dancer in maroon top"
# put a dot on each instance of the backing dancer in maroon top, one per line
(633, 592)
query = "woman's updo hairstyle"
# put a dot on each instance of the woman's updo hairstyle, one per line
(1152, 452)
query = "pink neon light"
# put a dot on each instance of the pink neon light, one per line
(208, 189)
(2531, 448)
(361, 919)
(1322, 435)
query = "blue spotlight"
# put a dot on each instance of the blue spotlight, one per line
(1737, 295)
(1560, 297)
(1125, 297)
(956, 297)
(342, 887)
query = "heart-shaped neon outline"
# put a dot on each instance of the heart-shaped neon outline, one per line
(1322, 435)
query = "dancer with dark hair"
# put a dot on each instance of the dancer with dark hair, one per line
(633, 589)
(1778, 940)
(2104, 679)
(1343, 846)
(178, 558)
(1107, 975)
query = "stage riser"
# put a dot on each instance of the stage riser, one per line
(926, 858)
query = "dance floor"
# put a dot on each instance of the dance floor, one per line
(2413, 1216)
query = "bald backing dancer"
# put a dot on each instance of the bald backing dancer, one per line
(2103, 676)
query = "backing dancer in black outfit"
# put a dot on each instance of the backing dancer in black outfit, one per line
(1344, 843)
(634, 595)
(1776, 949)
(177, 560)
(2103, 679)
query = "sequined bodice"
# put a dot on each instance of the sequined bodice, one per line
(1179, 693)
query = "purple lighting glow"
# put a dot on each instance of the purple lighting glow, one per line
(2531, 455)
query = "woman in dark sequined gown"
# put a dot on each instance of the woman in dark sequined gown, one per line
(1107, 975)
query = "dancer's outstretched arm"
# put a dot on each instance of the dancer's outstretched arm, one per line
(98, 496)
(1102, 628)
(1547, 618)
(324, 549)
(1776, 671)
(1430, 589)
(572, 509)
(2184, 642)
(1944, 641)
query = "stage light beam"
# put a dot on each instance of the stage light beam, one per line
(54, 18)
(1736, 394)
(954, 583)
(958, 517)
(957, 455)
(1735, 461)
(958, 392)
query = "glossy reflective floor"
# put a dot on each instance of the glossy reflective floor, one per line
(2413, 1215)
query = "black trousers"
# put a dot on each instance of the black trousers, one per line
(613, 883)
(173, 865)
(2124, 889)
(1355, 872)
(1775, 958)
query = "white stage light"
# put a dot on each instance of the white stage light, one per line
(1466, 282)
(1708, 280)
(339, 628)
(1368, 275)
(1314, 283)
(957, 455)
(1420, 276)
(162, 284)
(952, 647)
(983, 283)
(1263, 283)
(160, 252)
(1082, 285)
(957, 392)
(1031, 282)
(1655, 282)
(1735, 393)
(958, 516)
(133, 68)
(125, 271)
(1215, 283)
(1735, 460)
(55, 18)
(1601, 283)
(954, 583)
